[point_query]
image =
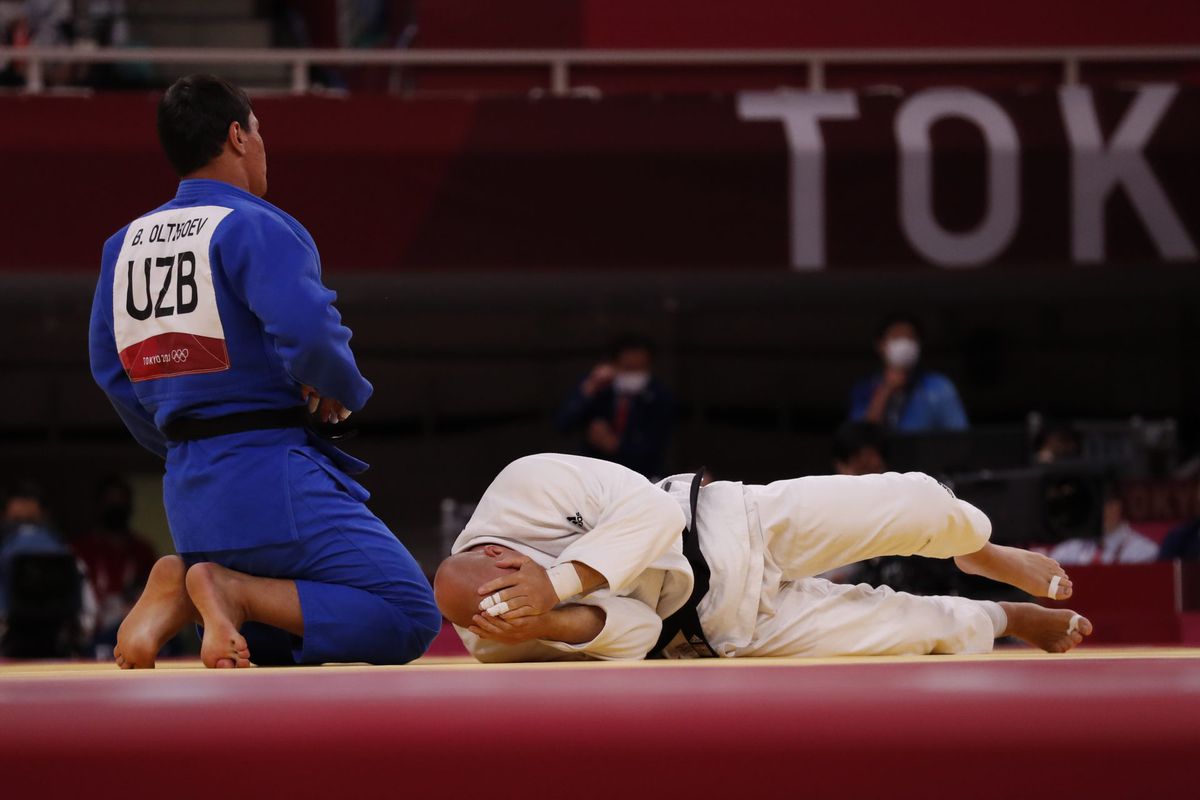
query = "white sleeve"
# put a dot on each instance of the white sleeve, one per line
(638, 522)
(631, 629)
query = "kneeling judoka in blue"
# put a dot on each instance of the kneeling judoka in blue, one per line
(210, 330)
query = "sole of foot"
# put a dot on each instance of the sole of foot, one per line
(161, 612)
(1047, 628)
(210, 587)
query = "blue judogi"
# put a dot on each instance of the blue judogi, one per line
(213, 305)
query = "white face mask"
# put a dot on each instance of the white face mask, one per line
(901, 353)
(631, 382)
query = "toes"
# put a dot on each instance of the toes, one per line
(224, 663)
(1084, 626)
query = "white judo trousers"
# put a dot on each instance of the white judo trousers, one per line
(807, 526)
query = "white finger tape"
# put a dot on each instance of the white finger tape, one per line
(1053, 593)
(1073, 625)
(489, 601)
(498, 609)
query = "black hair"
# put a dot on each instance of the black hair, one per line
(194, 117)
(630, 341)
(1057, 427)
(897, 317)
(853, 437)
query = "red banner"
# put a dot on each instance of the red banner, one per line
(944, 178)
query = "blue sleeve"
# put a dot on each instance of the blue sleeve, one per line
(952, 415)
(109, 373)
(278, 276)
(860, 398)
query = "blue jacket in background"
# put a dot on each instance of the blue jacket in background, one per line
(647, 433)
(929, 403)
(212, 305)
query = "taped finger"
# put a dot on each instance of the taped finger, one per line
(497, 609)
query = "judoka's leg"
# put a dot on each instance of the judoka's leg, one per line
(816, 618)
(159, 614)
(346, 590)
(811, 525)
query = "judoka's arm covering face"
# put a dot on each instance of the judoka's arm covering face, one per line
(106, 366)
(278, 275)
(630, 629)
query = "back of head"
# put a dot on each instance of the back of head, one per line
(194, 118)
(456, 584)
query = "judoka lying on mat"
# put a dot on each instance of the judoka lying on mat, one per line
(572, 558)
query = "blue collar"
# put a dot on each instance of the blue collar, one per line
(199, 188)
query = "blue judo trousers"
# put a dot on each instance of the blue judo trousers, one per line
(213, 305)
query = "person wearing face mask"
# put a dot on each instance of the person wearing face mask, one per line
(904, 397)
(622, 411)
(118, 561)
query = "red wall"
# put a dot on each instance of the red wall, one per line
(620, 183)
(785, 23)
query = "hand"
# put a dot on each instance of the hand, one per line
(325, 409)
(602, 375)
(893, 379)
(516, 631)
(527, 592)
(601, 436)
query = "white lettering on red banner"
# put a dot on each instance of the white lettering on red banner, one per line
(165, 316)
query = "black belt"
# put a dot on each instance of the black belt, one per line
(189, 429)
(685, 622)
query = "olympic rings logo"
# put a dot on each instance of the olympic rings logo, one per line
(179, 355)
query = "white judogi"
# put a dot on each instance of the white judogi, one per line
(763, 545)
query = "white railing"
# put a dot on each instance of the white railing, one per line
(559, 63)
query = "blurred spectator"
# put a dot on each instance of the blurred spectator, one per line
(1119, 543)
(904, 397)
(1182, 542)
(1057, 440)
(623, 412)
(35, 23)
(117, 560)
(41, 588)
(858, 449)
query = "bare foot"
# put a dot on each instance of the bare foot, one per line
(1028, 571)
(213, 590)
(161, 612)
(1046, 628)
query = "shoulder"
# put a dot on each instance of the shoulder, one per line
(1073, 550)
(936, 381)
(558, 469)
(1141, 544)
(260, 223)
(937, 386)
